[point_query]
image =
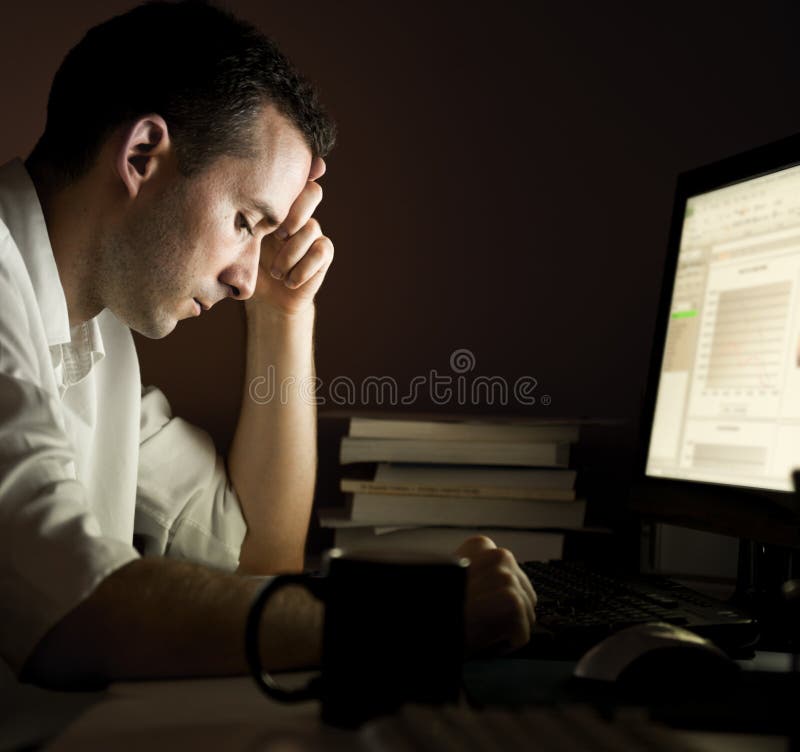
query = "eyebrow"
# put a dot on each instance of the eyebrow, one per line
(266, 211)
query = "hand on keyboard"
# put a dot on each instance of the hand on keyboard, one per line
(501, 602)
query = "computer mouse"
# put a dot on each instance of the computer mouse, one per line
(657, 659)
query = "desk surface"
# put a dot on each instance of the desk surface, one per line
(232, 714)
(201, 714)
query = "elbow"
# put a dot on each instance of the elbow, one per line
(53, 667)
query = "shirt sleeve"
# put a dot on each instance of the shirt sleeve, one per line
(52, 550)
(186, 507)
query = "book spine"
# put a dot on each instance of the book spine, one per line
(471, 492)
(459, 431)
(377, 509)
(455, 452)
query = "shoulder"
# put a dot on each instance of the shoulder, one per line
(19, 336)
(16, 291)
(13, 272)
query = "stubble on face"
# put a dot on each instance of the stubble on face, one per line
(173, 247)
(145, 268)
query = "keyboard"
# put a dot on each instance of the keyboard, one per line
(578, 606)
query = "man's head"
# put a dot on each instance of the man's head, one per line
(204, 71)
(168, 245)
(170, 129)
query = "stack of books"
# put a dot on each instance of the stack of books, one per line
(430, 484)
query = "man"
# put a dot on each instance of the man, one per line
(178, 167)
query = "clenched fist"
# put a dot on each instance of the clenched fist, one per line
(501, 602)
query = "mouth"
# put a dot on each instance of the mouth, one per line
(198, 307)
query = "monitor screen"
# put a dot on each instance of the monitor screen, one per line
(727, 392)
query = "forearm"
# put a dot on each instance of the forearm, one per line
(272, 461)
(157, 618)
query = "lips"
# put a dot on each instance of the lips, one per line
(200, 306)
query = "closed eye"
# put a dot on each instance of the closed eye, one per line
(243, 224)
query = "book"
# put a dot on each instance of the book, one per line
(461, 481)
(543, 454)
(463, 430)
(516, 477)
(526, 545)
(386, 509)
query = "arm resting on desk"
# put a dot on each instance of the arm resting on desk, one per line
(158, 618)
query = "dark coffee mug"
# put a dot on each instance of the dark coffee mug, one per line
(393, 633)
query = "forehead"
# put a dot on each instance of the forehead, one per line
(276, 172)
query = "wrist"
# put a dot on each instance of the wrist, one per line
(259, 311)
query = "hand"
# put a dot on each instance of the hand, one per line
(296, 257)
(501, 602)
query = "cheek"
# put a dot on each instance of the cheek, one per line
(212, 254)
(211, 241)
(222, 242)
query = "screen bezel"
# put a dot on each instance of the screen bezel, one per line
(700, 503)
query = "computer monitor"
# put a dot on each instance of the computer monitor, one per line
(721, 420)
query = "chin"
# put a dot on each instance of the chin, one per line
(155, 328)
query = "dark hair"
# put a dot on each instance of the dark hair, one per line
(204, 71)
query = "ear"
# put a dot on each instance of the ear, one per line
(144, 146)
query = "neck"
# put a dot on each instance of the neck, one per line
(68, 215)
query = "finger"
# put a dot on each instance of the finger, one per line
(294, 249)
(528, 589)
(501, 570)
(530, 599)
(474, 546)
(525, 587)
(301, 211)
(310, 288)
(498, 621)
(516, 626)
(318, 256)
(318, 168)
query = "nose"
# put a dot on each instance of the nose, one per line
(240, 277)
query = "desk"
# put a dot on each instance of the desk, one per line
(201, 714)
(232, 715)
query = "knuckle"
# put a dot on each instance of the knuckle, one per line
(315, 189)
(324, 247)
(500, 558)
(480, 540)
(505, 580)
(505, 557)
(475, 547)
(317, 255)
(313, 226)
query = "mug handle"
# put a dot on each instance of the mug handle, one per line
(315, 585)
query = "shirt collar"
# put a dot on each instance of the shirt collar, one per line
(72, 362)
(22, 213)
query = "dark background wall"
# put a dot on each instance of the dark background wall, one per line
(503, 180)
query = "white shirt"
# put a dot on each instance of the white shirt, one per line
(88, 461)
